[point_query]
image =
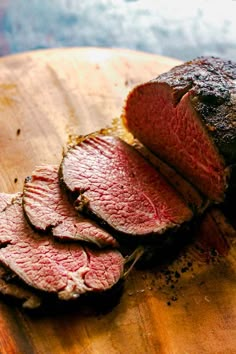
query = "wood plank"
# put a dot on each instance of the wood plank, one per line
(44, 97)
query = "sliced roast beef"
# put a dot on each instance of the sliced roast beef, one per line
(117, 185)
(65, 269)
(187, 117)
(196, 200)
(47, 206)
(190, 194)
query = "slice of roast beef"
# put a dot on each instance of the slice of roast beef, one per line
(68, 270)
(190, 194)
(10, 286)
(117, 185)
(196, 200)
(187, 117)
(47, 207)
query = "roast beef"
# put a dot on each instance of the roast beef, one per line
(65, 269)
(191, 195)
(47, 207)
(117, 185)
(187, 116)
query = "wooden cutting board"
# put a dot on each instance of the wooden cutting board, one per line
(190, 307)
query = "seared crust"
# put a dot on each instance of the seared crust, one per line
(212, 84)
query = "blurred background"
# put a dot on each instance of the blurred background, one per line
(180, 29)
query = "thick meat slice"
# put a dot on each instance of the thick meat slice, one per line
(66, 269)
(47, 206)
(187, 117)
(191, 196)
(196, 200)
(120, 187)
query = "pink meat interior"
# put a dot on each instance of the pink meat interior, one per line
(176, 134)
(122, 188)
(46, 205)
(65, 268)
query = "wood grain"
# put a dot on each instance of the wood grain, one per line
(44, 97)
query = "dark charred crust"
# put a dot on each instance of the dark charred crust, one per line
(222, 131)
(200, 73)
(212, 84)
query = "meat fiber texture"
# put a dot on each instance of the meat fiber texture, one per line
(187, 116)
(191, 195)
(117, 185)
(66, 269)
(196, 200)
(47, 207)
